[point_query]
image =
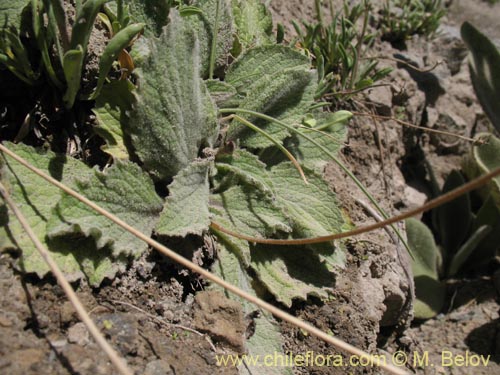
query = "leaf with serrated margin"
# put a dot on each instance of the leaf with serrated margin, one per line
(124, 190)
(247, 167)
(286, 96)
(274, 80)
(266, 337)
(290, 272)
(110, 109)
(313, 207)
(174, 115)
(332, 138)
(36, 199)
(260, 62)
(253, 21)
(186, 208)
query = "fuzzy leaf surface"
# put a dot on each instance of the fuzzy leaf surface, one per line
(153, 13)
(257, 63)
(247, 167)
(249, 211)
(10, 12)
(266, 338)
(430, 292)
(205, 27)
(313, 208)
(186, 208)
(174, 115)
(286, 96)
(307, 210)
(76, 256)
(253, 21)
(332, 138)
(276, 81)
(124, 190)
(110, 109)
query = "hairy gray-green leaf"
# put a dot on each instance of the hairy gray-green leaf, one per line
(110, 109)
(205, 28)
(244, 209)
(186, 208)
(247, 167)
(224, 94)
(485, 71)
(485, 158)
(36, 198)
(292, 272)
(124, 190)
(153, 13)
(313, 208)
(331, 137)
(274, 80)
(430, 292)
(283, 204)
(174, 115)
(266, 338)
(260, 62)
(253, 21)
(249, 211)
(10, 12)
(286, 96)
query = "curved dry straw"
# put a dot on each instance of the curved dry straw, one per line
(337, 343)
(472, 185)
(119, 363)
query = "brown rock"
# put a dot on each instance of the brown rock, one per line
(221, 318)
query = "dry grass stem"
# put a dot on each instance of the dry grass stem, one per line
(119, 363)
(280, 314)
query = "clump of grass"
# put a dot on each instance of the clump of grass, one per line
(339, 48)
(400, 19)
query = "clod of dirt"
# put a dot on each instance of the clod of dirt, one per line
(78, 334)
(221, 318)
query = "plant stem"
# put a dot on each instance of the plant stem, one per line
(68, 290)
(319, 13)
(359, 45)
(453, 194)
(275, 142)
(337, 343)
(213, 51)
(331, 155)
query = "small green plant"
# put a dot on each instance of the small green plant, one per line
(63, 54)
(484, 69)
(468, 236)
(339, 49)
(400, 19)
